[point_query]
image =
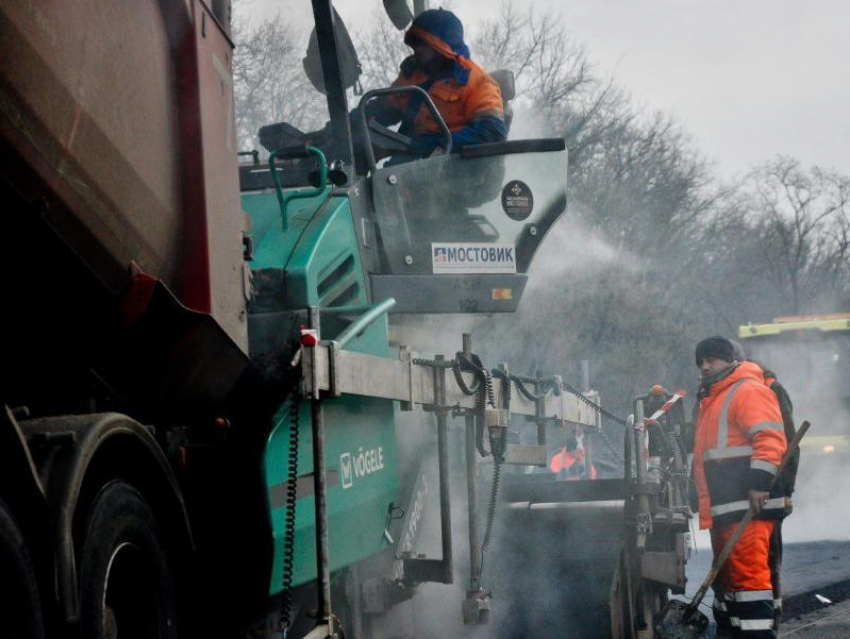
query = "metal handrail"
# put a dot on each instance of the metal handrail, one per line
(429, 104)
(285, 198)
(362, 323)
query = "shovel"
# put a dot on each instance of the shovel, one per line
(678, 620)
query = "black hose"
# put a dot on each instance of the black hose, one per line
(467, 363)
(521, 382)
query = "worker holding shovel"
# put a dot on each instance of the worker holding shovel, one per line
(738, 448)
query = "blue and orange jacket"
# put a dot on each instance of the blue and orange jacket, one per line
(468, 99)
(739, 444)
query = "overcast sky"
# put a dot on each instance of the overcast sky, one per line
(748, 79)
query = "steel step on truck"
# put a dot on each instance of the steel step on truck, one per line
(209, 426)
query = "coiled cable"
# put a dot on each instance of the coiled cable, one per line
(289, 521)
(498, 448)
(491, 506)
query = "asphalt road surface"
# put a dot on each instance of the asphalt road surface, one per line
(830, 622)
(810, 569)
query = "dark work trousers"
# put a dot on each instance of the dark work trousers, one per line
(774, 560)
(721, 614)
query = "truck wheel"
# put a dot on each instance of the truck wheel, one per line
(20, 605)
(126, 589)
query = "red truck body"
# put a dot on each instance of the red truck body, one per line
(127, 140)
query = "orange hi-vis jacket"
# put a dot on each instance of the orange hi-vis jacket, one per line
(459, 104)
(566, 461)
(467, 98)
(739, 444)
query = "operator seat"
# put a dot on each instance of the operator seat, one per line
(505, 79)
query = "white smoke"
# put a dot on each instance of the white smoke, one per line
(813, 370)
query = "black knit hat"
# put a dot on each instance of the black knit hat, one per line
(738, 351)
(717, 347)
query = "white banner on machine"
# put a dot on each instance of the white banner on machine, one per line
(462, 257)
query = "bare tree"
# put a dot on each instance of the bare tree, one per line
(268, 78)
(802, 220)
(555, 82)
(381, 50)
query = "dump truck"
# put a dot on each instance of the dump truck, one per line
(207, 427)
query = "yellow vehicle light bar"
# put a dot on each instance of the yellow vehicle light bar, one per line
(824, 325)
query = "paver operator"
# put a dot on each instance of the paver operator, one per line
(739, 444)
(468, 99)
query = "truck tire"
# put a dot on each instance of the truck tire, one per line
(20, 604)
(126, 589)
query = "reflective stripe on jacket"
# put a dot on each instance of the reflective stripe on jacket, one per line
(738, 446)
(570, 464)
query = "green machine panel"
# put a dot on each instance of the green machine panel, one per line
(319, 261)
(362, 480)
(319, 253)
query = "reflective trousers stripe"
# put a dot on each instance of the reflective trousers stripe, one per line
(742, 596)
(752, 624)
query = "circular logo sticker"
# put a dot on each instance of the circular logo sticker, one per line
(517, 200)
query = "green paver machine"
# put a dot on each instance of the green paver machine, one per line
(335, 230)
(207, 429)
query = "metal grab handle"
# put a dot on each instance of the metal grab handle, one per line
(284, 199)
(429, 104)
(361, 323)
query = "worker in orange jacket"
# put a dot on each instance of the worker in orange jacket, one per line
(468, 99)
(739, 444)
(789, 476)
(570, 462)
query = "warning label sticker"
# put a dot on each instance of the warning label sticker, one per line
(461, 257)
